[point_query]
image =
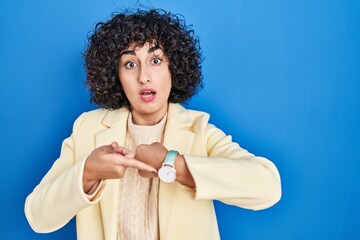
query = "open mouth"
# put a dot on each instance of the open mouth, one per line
(147, 94)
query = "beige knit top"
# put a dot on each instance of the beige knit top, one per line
(138, 196)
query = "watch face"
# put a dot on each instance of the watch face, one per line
(167, 174)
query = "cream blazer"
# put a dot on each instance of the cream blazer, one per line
(222, 170)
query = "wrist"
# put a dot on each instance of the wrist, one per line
(183, 173)
(89, 185)
(88, 181)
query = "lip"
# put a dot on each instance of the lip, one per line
(147, 94)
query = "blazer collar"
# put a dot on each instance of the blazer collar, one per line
(115, 123)
(177, 135)
(115, 118)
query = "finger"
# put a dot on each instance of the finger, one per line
(133, 163)
(130, 155)
(118, 149)
(145, 174)
(109, 148)
(142, 147)
(156, 144)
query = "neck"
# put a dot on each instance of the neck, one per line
(147, 119)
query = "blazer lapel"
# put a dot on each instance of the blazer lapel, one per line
(116, 123)
(177, 136)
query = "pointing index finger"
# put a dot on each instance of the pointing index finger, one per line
(134, 163)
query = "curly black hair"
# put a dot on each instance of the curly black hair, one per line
(109, 39)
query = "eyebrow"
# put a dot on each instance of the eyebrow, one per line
(132, 52)
(154, 48)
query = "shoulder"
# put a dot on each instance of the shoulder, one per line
(93, 115)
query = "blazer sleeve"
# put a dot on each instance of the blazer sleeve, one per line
(232, 175)
(59, 196)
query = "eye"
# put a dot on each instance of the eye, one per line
(156, 61)
(130, 65)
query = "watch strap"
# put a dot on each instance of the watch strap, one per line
(170, 158)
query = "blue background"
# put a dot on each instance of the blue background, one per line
(282, 77)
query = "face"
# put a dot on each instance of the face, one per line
(145, 77)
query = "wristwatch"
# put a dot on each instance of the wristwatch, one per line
(167, 172)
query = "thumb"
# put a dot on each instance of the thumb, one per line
(118, 149)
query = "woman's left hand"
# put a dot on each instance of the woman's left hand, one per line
(153, 154)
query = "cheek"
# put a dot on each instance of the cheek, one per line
(126, 87)
(125, 81)
(167, 84)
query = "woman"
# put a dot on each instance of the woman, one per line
(142, 166)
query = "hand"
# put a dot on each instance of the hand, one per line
(110, 162)
(153, 155)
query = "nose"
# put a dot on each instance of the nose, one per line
(144, 76)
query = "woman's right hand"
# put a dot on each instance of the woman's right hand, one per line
(110, 162)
